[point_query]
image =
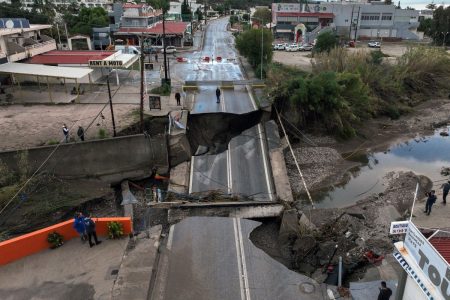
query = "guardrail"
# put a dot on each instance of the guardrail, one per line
(36, 241)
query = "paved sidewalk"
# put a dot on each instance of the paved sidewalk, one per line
(440, 213)
(73, 271)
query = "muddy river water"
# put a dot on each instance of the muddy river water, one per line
(422, 155)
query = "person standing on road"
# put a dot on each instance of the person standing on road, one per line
(445, 190)
(218, 94)
(66, 133)
(156, 57)
(385, 292)
(178, 98)
(78, 225)
(90, 230)
(80, 133)
(430, 201)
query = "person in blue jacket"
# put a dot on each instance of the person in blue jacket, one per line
(80, 226)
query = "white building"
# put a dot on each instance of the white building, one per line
(106, 4)
(424, 256)
(20, 40)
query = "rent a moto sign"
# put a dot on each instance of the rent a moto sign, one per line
(433, 265)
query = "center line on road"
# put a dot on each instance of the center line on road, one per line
(242, 266)
(264, 156)
(223, 102)
(191, 174)
(229, 174)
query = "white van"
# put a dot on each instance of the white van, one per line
(128, 49)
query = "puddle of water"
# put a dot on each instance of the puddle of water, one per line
(424, 156)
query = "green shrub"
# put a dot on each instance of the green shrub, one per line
(55, 240)
(115, 230)
(52, 142)
(102, 133)
(163, 90)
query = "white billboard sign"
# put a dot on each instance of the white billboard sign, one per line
(399, 227)
(433, 265)
(105, 63)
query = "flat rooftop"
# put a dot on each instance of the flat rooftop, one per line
(33, 27)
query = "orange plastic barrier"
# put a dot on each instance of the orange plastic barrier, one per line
(33, 242)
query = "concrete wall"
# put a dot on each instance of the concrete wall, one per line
(111, 160)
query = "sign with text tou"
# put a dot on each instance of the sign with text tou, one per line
(105, 63)
(400, 227)
(433, 266)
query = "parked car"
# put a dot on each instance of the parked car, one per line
(169, 49)
(292, 48)
(374, 44)
(280, 46)
(306, 47)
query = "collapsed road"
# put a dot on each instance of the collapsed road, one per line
(243, 168)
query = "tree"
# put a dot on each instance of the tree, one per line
(186, 13)
(87, 19)
(159, 4)
(431, 6)
(388, 2)
(326, 41)
(199, 14)
(249, 45)
(263, 14)
(425, 26)
(245, 17)
(440, 26)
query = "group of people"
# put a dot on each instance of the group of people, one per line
(432, 197)
(85, 227)
(80, 133)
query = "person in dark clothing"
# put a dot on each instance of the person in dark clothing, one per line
(78, 224)
(218, 94)
(156, 57)
(80, 133)
(178, 98)
(445, 190)
(90, 230)
(385, 292)
(430, 201)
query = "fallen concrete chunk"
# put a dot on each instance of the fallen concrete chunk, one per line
(305, 222)
(289, 225)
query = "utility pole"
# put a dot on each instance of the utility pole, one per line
(111, 106)
(351, 24)
(204, 10)
(262, 50)
(357, 23)
(164, 47)
(141, 112)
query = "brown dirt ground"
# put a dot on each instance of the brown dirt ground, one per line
(24, 126)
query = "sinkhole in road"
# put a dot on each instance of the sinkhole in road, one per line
(211, 133)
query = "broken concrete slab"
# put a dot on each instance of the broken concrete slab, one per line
(280, 177)
(289, 227)
(138, 264)
(305, 222)
(179, 178)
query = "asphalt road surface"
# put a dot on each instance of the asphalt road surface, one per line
(213, 258)
(243, 169)
(218, 42)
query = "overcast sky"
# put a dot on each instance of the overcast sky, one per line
(420, 4)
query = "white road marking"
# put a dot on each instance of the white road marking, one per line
(264, 158)
(191, 174)
(170, 237)
(230, 177)
(223, 102)
(247, 87)
(244, 265)
(239, 261)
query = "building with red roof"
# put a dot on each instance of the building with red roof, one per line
(69, 58)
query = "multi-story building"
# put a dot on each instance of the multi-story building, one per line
(355, 20)
(20, 40)
(129, 21)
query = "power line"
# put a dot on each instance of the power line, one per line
(54, 150)
(295, 158)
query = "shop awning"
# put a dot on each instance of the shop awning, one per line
(43, 70)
